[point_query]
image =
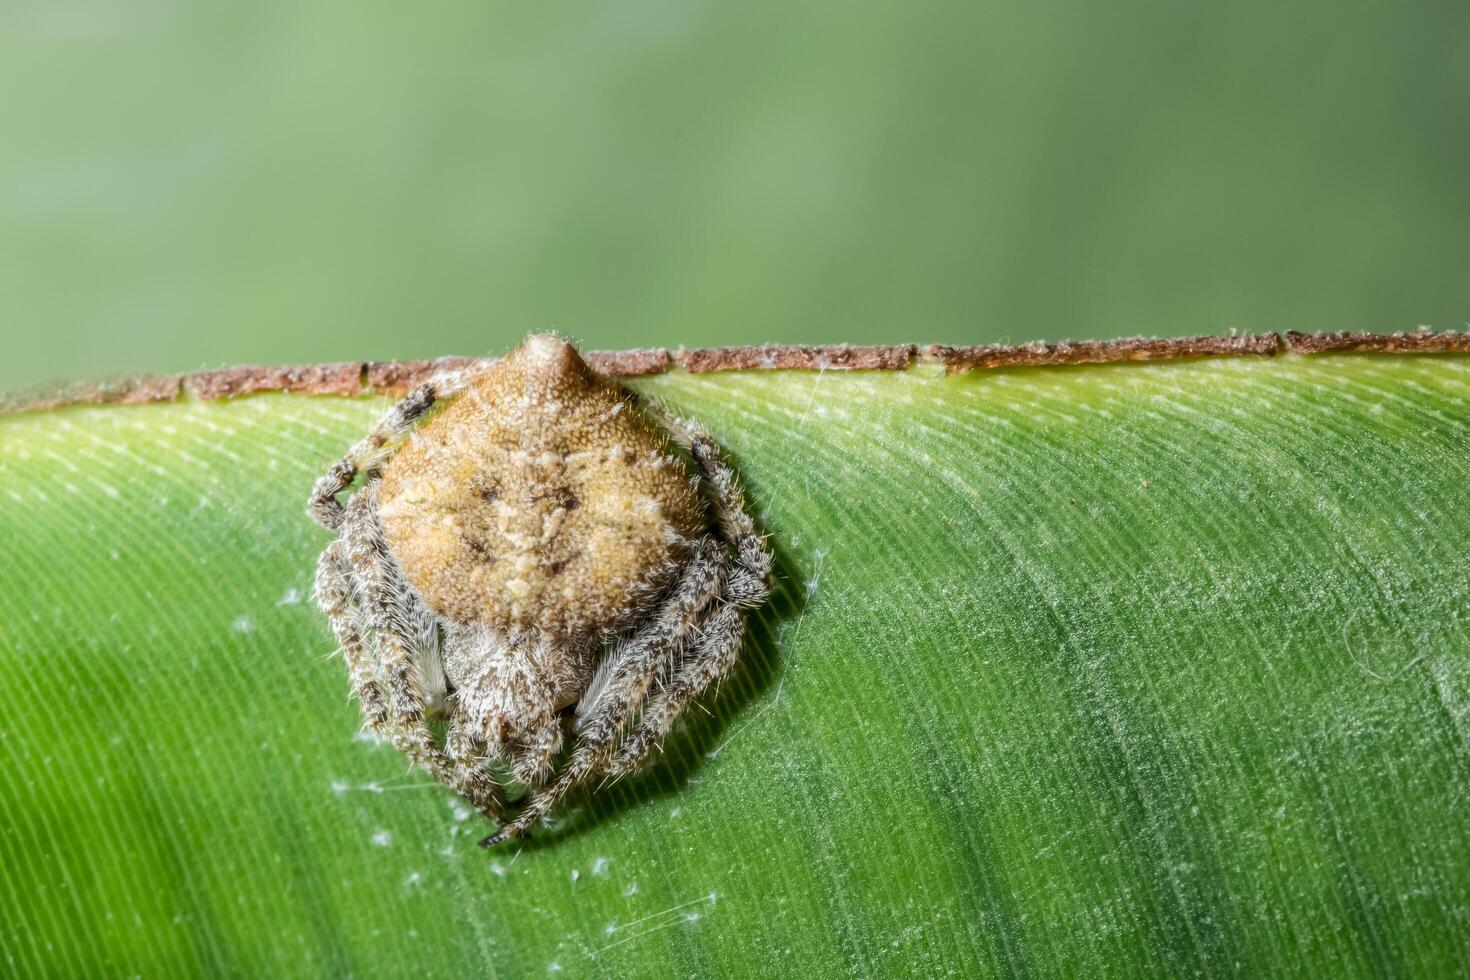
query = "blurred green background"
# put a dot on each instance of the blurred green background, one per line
(194, 184)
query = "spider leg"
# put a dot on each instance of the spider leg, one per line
(712, 658)
(646, 656)
(467, 770)
(387, 597)
(748, 585)
(721, 487)
(334, 594)
(533, 762)
(375, 448)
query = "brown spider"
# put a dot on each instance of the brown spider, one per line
(533, 555)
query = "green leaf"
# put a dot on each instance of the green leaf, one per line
(1128, 669)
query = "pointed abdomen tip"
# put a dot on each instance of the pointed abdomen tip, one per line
(549, 349)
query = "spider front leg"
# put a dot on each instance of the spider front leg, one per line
(375, 448)
(644, 658)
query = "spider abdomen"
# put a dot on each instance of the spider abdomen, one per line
(539, 498)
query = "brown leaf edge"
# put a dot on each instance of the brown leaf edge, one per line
(395, 378)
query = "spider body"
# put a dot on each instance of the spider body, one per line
(534, 550)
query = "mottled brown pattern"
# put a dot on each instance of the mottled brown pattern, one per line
(1040, 354)
(554, 471)
(1420, 342)
(786, 357)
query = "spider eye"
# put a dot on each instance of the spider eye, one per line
(504, 730)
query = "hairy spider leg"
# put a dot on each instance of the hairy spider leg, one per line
(390, 613)
(375, 448)
(721, 488)
(722, 632)
(334, 596)
(639, 661)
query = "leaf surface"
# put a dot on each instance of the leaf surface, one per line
(1128, 669)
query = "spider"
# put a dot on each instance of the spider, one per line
(529, 562)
